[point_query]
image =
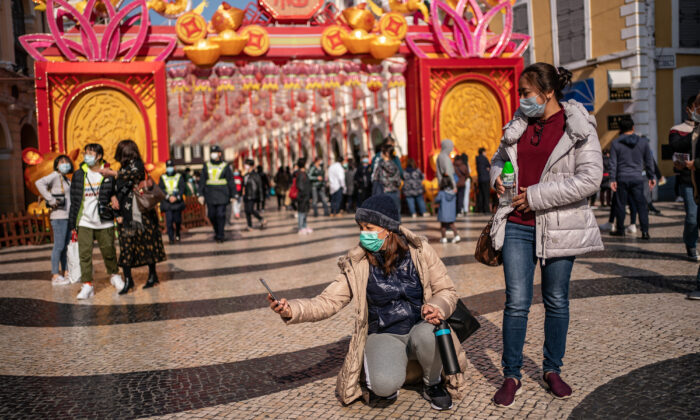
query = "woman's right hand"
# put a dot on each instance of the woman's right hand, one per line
(498, 186)
(281, 306)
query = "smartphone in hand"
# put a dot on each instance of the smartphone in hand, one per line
(262, 280)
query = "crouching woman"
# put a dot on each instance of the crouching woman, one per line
(401, 291)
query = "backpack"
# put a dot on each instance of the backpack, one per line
(293, 190)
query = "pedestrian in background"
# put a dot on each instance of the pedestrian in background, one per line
(173, 184)
(336, 183)
(555, 152)
(444, 167)
(304, 188)
(217, 190)
(55, 189)
(350, 193)
(462, 171)
(318, 187)
(252, 189)
(264, 189)
(684, 180)
(237, 193)
(91, 214)
(631, 171)
(446, 199)
(414, 190)
(282, 183)
(483, 167)
(140, 240)
(363, 180)
(387, 174)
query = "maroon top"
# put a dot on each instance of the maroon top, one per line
(534, 148)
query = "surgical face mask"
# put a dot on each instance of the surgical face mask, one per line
(170, 170)
(531, 108)
(215, 156)
(695, 115)
(365, 161)
(370, 240)
(345, 166)
(236, 173)
(91, 160)
(64, 168)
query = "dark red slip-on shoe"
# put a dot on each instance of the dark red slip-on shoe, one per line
(505, 396)
(557, 387)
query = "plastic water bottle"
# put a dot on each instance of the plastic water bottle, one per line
(508, 179)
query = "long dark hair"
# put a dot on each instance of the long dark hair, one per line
(546, 77)
(395, 251)
(127, 151)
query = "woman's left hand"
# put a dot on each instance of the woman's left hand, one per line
(115, 203)
(107, 172)
(520, 201)
(431, 314)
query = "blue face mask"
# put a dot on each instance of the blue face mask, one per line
(170, 170)
(64, 168)
(236, 173)
(531, 108)
(370, 240)
(91, 160)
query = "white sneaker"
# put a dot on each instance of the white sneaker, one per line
(426, 214)
(413, 216)
(86, 292)
(117, 282)
(443, 240)
(631, 228)
(679, 199)
(613, 229)
(309, 230)
(456, 239)
(606, 226)
(59, 280)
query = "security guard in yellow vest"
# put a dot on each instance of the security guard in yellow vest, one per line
(217, 189)
(173, 184)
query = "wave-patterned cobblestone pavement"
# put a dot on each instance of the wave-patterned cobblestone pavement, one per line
(203, 343)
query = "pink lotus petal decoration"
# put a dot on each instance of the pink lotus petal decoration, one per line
(110, 47)
(470, 38)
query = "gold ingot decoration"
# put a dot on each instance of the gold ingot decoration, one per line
(226, 17)
(359, 18)
(332, 40)
(204, 53)
(383, 47)
(230, 43)
(358, 41)
(393, 24)
(191, 28)
(258, 40)
(471, 97)
(410, 6)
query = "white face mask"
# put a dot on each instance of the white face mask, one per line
(215, 156)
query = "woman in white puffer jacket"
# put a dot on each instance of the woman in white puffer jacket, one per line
(555, 151)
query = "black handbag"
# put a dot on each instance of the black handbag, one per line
(463, 322)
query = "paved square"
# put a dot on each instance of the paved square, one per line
(203, 343)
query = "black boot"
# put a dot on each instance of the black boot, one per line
(128, 284)
(152, 277)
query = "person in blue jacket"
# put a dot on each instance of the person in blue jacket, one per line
(447, 212)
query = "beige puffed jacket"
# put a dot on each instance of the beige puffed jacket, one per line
(565, 224)
(351, 285)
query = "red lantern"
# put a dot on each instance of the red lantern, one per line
(301, 113)
(257, 112)
(303, 97)
(259, 76)
(287, 117)
(268, 115)
(261, 123)
(279, 110)
(244, 122)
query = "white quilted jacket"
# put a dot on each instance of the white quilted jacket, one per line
(565, 224)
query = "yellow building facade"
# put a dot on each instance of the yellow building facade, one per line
(638, 59)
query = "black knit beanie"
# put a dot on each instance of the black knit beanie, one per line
(379, 210)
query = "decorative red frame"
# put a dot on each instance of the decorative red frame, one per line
(421, 119)
(101, 71)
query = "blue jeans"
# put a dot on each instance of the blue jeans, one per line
(690, 228)
(61, 239)
(301, 220)
(519, 268)
(632, 192)
(318, 193)
(415, 201)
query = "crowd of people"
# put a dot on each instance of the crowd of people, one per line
(543, 217)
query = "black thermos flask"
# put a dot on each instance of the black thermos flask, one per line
(447, 348)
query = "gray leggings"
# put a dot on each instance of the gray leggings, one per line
(386, 357)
